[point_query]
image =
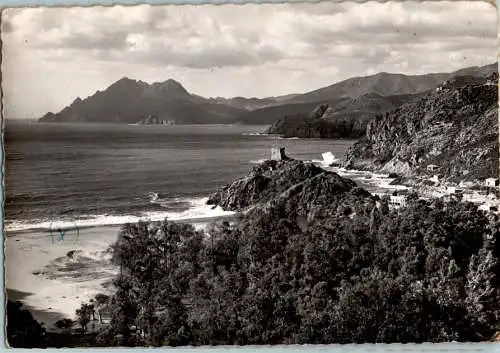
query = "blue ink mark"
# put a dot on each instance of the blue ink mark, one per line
(60, 233)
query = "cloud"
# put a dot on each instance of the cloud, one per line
(235, 35)
(258, 50)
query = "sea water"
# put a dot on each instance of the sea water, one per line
(103, 174)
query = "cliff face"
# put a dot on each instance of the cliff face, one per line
(454, 127)
(287, 181)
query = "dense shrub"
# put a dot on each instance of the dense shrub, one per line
(428, 272)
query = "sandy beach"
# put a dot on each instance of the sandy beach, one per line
(48, 281)
(53, 277)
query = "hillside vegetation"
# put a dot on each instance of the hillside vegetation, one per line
(317, 261)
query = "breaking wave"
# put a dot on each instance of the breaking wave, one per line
(193, 209)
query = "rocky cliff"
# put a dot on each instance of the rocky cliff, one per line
(291, 182)
(455, 127)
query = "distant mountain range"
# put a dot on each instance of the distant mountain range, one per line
(131, 101)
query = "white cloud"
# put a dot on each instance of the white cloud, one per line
(52, 55)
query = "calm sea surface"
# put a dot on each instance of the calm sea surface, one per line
(109, 174)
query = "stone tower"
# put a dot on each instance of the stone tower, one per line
(278, 153)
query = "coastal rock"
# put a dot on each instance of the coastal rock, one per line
(279, 181)
(155, 120)
(454, 128)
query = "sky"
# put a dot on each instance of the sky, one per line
(53, 55)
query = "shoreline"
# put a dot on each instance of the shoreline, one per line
(52, 285)
(194, 221)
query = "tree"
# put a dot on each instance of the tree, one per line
(23, 331)
(65, 324)
(84, 315)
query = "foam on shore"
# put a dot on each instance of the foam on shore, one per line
(197, 211)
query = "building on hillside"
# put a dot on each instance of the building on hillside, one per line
(432, 168)
(397, 201)
(450, 197)
(466, 184)
(491, 182)
(488, 208)
(453, 190)
(470, 197)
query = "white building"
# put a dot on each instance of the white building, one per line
(432, 168)
(466, 184)
(397, 201)
(492, 182)
(453, 190)
(488, 208)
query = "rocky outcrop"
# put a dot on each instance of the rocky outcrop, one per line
(454, 127)
(154, 120)
(285, 180)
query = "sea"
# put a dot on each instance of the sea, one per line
(107, 174)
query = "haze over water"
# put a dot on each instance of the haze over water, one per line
(109, 174)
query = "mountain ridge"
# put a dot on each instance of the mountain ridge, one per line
(130, 101)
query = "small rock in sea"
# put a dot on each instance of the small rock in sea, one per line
(36, 273)
(49, 308)
(63, 296)
(17, 239)
(77, 297)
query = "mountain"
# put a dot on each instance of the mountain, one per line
(454, 127)
(131, 101)
(387, 84)
(380, 85)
